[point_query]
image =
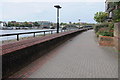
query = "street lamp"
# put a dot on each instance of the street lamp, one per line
(79, 22)
(58, 7)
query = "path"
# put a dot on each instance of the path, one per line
(79, 57)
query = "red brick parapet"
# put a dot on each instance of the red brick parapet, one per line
(17, 55)
(11, 47)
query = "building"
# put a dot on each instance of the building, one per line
(70, 26)
(110, 7)
(2, 24)
(44, 24)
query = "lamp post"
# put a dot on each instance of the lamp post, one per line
(58, 7)
(79, 22)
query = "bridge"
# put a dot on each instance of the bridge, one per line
(72, 54)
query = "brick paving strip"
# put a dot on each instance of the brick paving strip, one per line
(79, 57)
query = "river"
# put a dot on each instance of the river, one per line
(20, 31)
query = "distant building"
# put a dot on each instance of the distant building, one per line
(2, 24)
(70, 26)
(45, 24)
(13, 22)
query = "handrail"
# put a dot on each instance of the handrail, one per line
(26, 33)
(17, 34)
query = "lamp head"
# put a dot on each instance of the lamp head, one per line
(57, 6)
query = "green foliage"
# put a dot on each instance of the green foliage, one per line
(111, 26)
(17, 25)
(100, 17)
(21, 25)
(63, 23)
(105, 29)
(99, 26)
(64, 28)
(105, 33)
(26, 24)
(116, 17)
(10, 24)
(36, 24)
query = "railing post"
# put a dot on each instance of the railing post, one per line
(51, 32)
(33, 34)
(44, 33)
(61, 30)
(17, 37)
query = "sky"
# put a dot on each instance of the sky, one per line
(43, 10)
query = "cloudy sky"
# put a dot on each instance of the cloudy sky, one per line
(43, 10)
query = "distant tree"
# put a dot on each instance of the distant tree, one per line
(36, 24)
(10, 24)
(100, 17)
(63, 23)
(52, 24)
(73, 23)
(26, 24)
(16, 25)
(22, 25)
(29, 25)
(77, 23)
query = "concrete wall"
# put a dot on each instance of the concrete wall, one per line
(117, 36)
(16, 60)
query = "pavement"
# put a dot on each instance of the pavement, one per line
(79, 57)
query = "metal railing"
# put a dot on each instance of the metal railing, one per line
(34, 33)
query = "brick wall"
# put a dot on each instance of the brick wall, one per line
(106, 41)
(117, 36)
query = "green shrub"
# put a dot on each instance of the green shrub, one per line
(116, 17)
(111, 34)
(99, 26)
(106, 29)
(111, 26)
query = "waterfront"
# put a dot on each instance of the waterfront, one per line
(20, 31)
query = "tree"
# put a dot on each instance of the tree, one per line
(29, 25)
(100, 17)
(36, 24)
(116, 17)
(26, 24)
(10, 24)
(16, 25)
(63, 23)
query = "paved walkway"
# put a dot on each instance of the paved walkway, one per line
(79, 57)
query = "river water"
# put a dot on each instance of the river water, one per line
(20, 31)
